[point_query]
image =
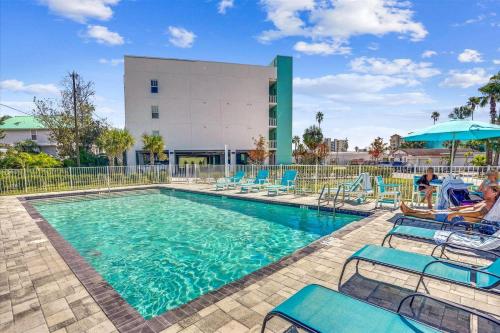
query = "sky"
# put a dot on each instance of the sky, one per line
(373, 67)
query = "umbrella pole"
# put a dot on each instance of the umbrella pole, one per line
(452, 157)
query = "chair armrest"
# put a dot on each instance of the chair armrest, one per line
(462, 247)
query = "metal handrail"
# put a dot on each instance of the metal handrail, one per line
(341, 186)
(327, 187)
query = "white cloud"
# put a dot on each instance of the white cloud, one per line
(399, 67)
(373, 46)
(496, 61)
(224, 5)
(112, 62)
(34, 88)
(466, 79)
(428, 54)
(103, 36)
(181, 37)
(470, 55)
(337, 21)
(322, 48)
(82, 10)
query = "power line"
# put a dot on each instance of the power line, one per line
(10, 107)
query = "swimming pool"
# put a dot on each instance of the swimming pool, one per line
(160, 249)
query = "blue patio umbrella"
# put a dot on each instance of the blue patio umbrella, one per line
(456, 130)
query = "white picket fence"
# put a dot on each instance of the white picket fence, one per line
(310, 177)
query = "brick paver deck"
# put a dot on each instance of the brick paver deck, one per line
(40, 293)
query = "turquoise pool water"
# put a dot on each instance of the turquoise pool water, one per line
(161, 249)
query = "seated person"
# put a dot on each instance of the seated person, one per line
(425, 186)
(491, 180)
(469, 214)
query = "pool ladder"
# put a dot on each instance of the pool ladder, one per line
(326, 190)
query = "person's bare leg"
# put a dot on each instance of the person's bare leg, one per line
(415, 212)
(428, 196)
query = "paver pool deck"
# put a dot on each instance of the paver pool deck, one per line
(39, 292)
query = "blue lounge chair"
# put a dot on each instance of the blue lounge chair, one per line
(361, 187)
(485, 278)
(318, 309)
(287, 183)
(457, 238)
(230, 182)
(260, 180)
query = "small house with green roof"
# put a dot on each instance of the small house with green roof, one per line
(20, 128)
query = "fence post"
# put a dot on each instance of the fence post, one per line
(25, 181)
(70, 179)
(107, 174)
(316, 180)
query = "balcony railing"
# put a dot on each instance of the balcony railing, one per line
(273, 99)
(272, 144)
(273, 122)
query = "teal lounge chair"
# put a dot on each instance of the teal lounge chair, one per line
(260, 180)
(318, 309)
(229, 182)
(287, 183)
(361, 186)
(485, 278)
(455, 239)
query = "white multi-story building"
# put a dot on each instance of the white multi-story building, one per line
(199, 107)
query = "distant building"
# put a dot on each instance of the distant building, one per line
(395, 142)
(21, 128)
(438, 156)
(198, 107)
(335, 145)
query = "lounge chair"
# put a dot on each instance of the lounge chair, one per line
(260, 180)
(417, 195)
(229, 182)
(286, 184)
(387, 193)
(318, 309)
(473, 240)
(361, 187)
(485, 278)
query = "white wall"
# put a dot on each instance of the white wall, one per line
(14, 136)
(202, 105)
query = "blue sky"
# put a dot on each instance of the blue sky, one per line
(373, 67)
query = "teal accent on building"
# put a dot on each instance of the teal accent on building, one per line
(434, 144)
(284, 107)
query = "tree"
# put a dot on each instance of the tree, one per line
(295, 142)
(58, 117)
(477, 145)
(322, 151)
(460, 112)
(319, 118)
(453, 152)
(2, 120)
(312, 138)
(114, 142)
(491, 95)
(473, 103)
(27, 146)
(479, 160)
(14, 159)
(412, 145)
(260, 153)
(435, 116)
(377, 148)
(154, 145)
(300, 152)
(467, 155)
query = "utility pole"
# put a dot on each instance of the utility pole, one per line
(77, 137)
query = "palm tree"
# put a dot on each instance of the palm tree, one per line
(460, 112)
(473, 103)
(312, 138)
(435, 116)
(491, 95)
(295, 142)
(319, 118)
(154, 145)
(114, 142)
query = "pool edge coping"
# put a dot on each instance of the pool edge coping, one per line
(121, 313)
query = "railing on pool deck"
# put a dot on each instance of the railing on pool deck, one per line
(311, 178)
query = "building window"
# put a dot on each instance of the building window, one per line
(155, 114)
(33, 135)
(157, 133)
(154, 86)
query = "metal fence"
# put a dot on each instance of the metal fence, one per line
(311, 178)
(23, 181)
